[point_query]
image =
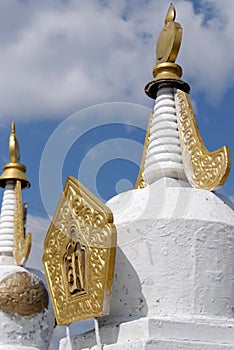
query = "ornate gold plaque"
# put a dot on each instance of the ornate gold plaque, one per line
(204, 169)
(79, 255)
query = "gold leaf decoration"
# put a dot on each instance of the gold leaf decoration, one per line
(79, 255)
(204, 169)
(22, 242)
(140, 183)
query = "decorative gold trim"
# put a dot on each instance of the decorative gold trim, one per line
(79, 255)
(22, 243)
(204, 169)
(140, 182)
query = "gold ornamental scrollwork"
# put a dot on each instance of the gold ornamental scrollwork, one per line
(79, 255)
(140, 182)
(22, 242)
(204, 169)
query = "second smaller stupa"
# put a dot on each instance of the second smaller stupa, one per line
(26, 317)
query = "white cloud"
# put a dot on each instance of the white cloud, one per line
(59, 56)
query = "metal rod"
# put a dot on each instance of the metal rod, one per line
(97, 333)
(69, 340)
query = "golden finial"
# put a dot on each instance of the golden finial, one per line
(167, 49)
(14, 146)
(14, 170)
(170, 38)
(171, 14)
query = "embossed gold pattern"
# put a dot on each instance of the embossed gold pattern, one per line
(140, 183)
(204, 169)
(23, 293)
(80, 243)
(22, 243)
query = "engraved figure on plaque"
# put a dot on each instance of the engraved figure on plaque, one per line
(74, 261)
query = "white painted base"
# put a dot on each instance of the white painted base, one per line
(25, 333)
(18, 347)
(161, 334)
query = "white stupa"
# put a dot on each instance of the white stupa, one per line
(26, 316)
(174, 268)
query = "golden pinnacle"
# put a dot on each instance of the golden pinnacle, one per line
(171, 14)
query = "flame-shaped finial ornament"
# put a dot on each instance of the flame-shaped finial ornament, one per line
(14, 146)
(14, 170)
(171, 14)
(170, 38)
(167, 49)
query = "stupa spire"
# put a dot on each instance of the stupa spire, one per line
(13, 242)
(26, 317)
(173, 145)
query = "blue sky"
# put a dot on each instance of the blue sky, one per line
(63, 58)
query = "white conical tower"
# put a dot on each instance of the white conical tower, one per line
(174, 273)
(164, 155)
(26, 318)
(7, 224)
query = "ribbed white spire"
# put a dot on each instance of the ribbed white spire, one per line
(163, 157)
(7, 220)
